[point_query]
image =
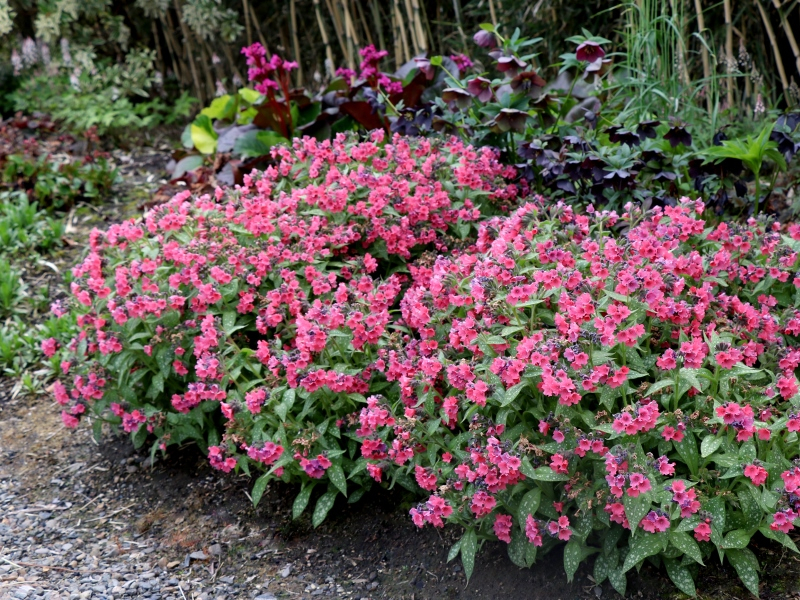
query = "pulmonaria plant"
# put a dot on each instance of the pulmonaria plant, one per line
(251, 320)
(623, 383)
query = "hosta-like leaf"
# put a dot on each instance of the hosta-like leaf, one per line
(686, 544)
(746, 565)
(469, 546)
(323, 507)
(680, 576)
(528, 505)
(641, 547)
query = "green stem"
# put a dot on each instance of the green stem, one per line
(561, 108)
(758, 194)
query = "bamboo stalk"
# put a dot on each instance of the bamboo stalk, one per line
(364, 24)
(701, 27)
(421, 39)
(231, 62)
(177, 63)
(254, 20)
(398, 44)
(789, 34)
(459, 24)
(376, 16)
(188, 41)
(729, 49)
(296, 43)
(329, 64)
(350, 35)
(206, 53)
(338, 29)
(162, 66)
(492, 13)
(401, 26)
(412, 28)
(247, 27)
(775, 51)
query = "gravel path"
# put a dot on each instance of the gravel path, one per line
(50, 551)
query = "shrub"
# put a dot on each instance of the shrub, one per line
(249, 322)
(630, 392)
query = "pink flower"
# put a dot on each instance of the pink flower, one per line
(532, 531)
(702, 532)
(49, 347)
(502, 528)
(758, 475)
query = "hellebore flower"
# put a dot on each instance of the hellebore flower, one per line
(677, 135)
(528, 82)
(511, 118)
(589, 52)
(485, 39)
(508, 63)
(618, 135)
(480, 88)
(458, 97)
(425, 66)
(647, 129)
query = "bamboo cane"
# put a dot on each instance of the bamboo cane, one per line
(172, 47)
(255, 22)
(775, 50)
(350, 35)
(701, 27)
(296, 43)
(365, 26)
(412, 29)
(338, 29)
(329, 65)
(188, 41)
(421, 39)
(402, 29)
(729, 49)
(789, 34)
(247, 27)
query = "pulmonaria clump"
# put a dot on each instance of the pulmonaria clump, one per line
(251, 320)
(369, 313)
(564, 383)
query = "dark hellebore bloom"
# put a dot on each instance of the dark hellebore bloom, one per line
(511, 118)
(647, 129)
(589, 52)
(528, 83)
(786, 144)
(425, 66)
(405, 123)
(485, 39)
(677, 135)
(457, 97)
(618, 135)
(424, 118)
(481, 88)
(509, 64)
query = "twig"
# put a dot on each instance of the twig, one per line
(116, 512)
(181, 590)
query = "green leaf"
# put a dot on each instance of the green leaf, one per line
(469, 546)
(436, 61)
(686, 544)
(641, 547)
(687, 449)
(746, 565)
(541, 473)
(516, 549)
(528, 505)
(204, 137)
(618, 580)
(709, 445)
(323, 507)
(600, 569)
(97, 430)
(223, 107)
(336, 475)
(738, 538)
(572, 558)
(680, 576)
(249, 95)
(454, 550)
(257, 143)
(301, 501)
(778, 536)
(258, 488)
(512, 393)
(636, 509)
(659, 385)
